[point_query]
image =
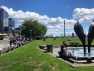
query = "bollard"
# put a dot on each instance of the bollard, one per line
(49, 48)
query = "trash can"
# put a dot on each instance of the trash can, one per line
(49, 48)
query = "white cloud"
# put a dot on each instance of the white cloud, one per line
(20, 15)
(83, 14)
(51, 23)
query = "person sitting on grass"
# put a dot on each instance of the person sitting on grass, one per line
(63, 53)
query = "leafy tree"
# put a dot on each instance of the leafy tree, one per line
(33, 28)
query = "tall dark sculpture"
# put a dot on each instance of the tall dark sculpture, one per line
(90, 36)
(80, 33)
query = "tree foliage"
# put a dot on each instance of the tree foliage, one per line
(33, 28)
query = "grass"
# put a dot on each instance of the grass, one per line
(58, 41)
(30, 58)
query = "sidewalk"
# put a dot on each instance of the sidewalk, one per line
(4, 44)
(55, 54)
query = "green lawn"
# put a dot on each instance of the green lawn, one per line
(30, 58)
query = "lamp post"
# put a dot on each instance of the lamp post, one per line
(20, 31)
(9, 30)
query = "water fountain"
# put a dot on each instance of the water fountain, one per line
(85, 52)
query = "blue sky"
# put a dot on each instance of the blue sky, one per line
(52, 9)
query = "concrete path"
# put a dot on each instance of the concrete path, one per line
(55, 54)
(4, 44)
(55, 51)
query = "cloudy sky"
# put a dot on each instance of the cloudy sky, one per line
(52, 13)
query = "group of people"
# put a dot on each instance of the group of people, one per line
(16, 42)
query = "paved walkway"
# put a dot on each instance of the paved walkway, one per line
(4, 44)
(55, 54)
(55, 51)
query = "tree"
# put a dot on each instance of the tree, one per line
(33, 28)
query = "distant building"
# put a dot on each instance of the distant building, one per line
(11, 25)
(7, 25)
(3, 21)
(73, 34)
